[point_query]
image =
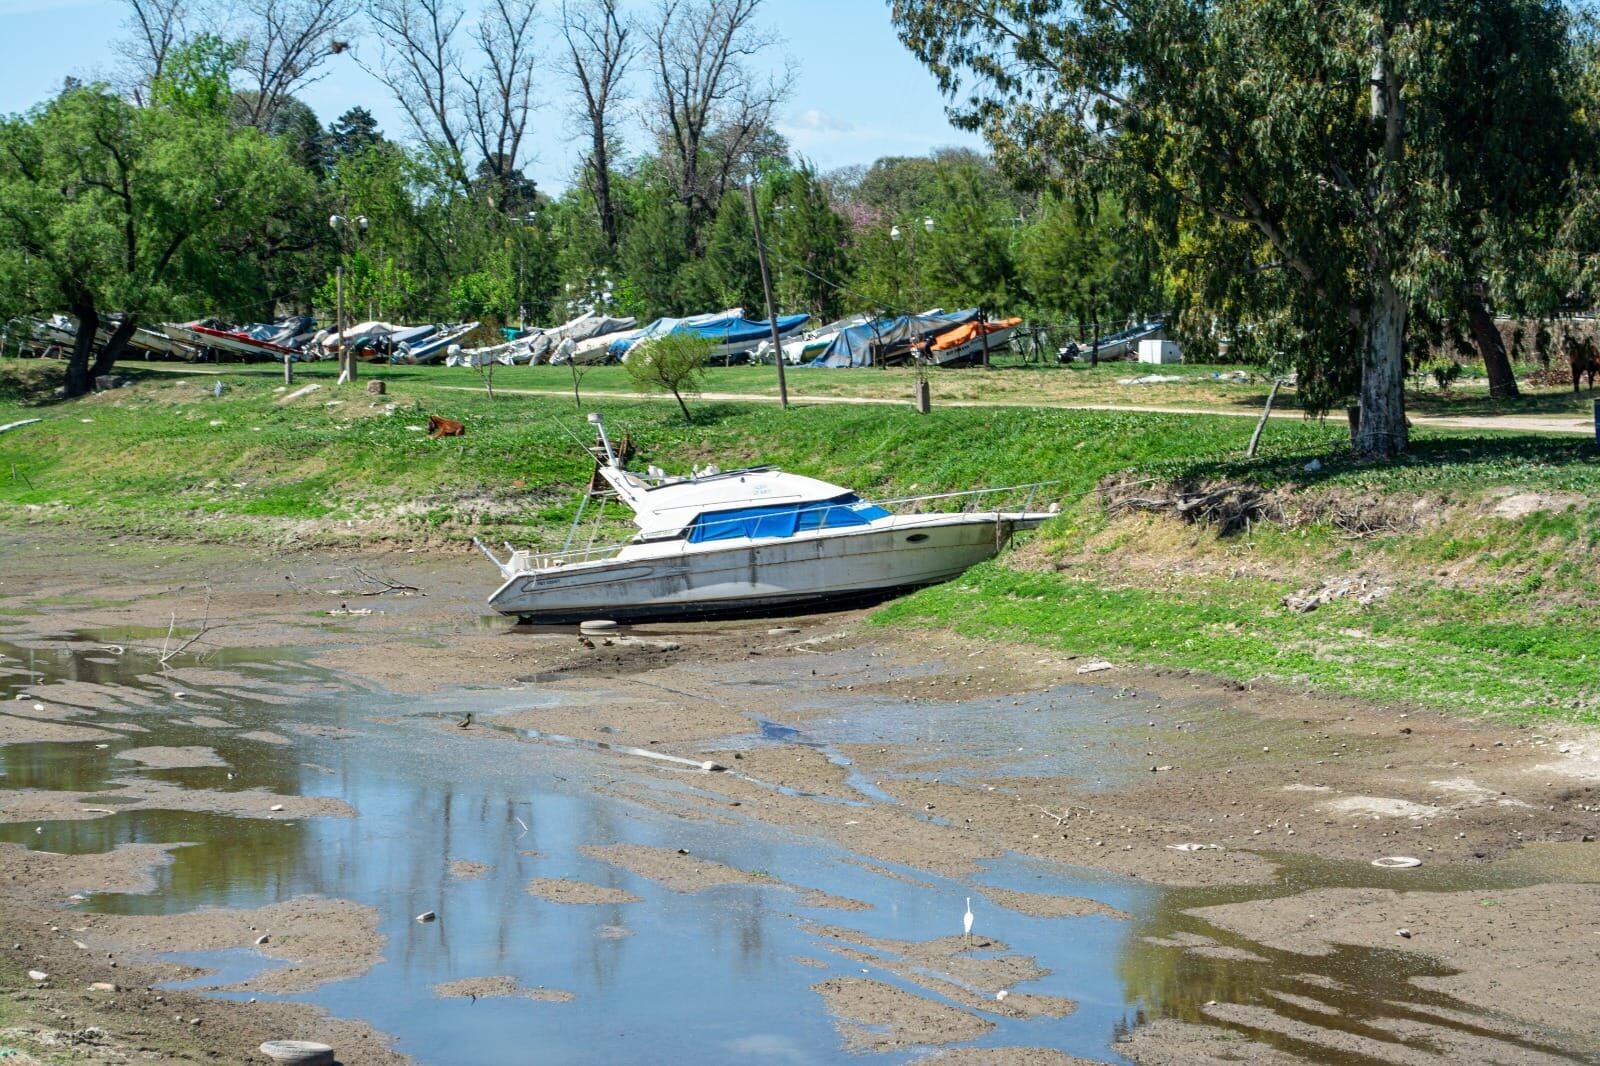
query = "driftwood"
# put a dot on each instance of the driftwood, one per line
(1229, 507)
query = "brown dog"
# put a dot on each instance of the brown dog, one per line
(444, 427)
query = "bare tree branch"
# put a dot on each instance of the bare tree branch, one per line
(286, 42)
(154, 28)
(602, 46)
(706, 93)
(500, 94)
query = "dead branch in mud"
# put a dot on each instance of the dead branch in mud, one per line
(205, 627)
(1064, 816)
(384, 585)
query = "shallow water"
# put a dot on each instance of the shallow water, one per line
(707, 977)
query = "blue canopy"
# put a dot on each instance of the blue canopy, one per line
(853, 346)
(785, 520)
(725, 329)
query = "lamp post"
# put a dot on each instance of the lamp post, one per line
(522, 222)
(342, 224)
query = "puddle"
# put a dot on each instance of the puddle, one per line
(708, 977)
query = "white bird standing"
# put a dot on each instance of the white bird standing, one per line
(966, 920)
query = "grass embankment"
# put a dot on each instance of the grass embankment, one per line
(1488, 603)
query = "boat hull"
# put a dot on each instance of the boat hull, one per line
(762, 578)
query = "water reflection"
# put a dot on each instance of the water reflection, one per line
(707, 977)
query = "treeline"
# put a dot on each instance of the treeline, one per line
(1336, 189)
(195, 182)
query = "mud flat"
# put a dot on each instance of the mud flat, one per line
(874, 1016)
(321, 940)
(1547, 929)
(476, 988)
(1202, 849)
(166, 758)
(559, 890)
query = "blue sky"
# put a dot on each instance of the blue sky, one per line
(858, 93)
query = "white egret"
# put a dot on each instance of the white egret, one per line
(966, 920)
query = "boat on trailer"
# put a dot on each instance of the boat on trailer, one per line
(749, 542)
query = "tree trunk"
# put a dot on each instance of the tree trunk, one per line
(78, 380)
(600, 164)
(686, 416)
(1382, 432)
(1502, 382)
(114, 347)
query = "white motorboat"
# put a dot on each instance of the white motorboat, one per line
(749, 542)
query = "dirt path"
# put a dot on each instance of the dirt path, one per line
(1494, 423)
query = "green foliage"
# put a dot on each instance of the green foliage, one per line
(809, 243)
(114, 211)
(675, 363)
(1329, 153)
(194, 80)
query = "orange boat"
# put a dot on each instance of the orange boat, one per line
(966, 342)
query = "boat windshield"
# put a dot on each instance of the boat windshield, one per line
(785, 520)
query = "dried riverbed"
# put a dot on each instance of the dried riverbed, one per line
(238, 844)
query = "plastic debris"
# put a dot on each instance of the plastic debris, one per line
(1397, 862)
(1095, 666)
(298, 1052)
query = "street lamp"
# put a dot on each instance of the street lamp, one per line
(522, 221)
(342, 224)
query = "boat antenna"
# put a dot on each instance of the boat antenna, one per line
(599, 424)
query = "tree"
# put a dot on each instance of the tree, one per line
(1328, 135)
(675, 363)
(711, 110)
(108, 205)
(810, 241)
(350, 134)
(155, 28)
(654, 249)
(1086, 261)
(286, 42)
(601, 45)
(458, 109)
(729, 273)
(967, 258)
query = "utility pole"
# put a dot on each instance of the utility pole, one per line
(983, 335)
(338, 320)
(766, 287)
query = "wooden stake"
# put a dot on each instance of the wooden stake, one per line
(1266, 413)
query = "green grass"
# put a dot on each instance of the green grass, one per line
(1488, 613)
(1466, 652)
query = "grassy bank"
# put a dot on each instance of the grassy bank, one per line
(1477, 551)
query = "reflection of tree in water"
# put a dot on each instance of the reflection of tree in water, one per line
(229, 860)
(1370, 988)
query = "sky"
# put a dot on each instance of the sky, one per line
(858, 93)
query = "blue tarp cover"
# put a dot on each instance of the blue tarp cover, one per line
(853, 346)
(784, 520)
(730, 329)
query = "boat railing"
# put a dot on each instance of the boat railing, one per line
(970, 495)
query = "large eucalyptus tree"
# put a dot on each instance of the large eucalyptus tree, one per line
(1338, 144)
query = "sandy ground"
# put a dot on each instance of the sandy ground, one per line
(1180, 781)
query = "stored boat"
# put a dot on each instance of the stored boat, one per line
(747, 542)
